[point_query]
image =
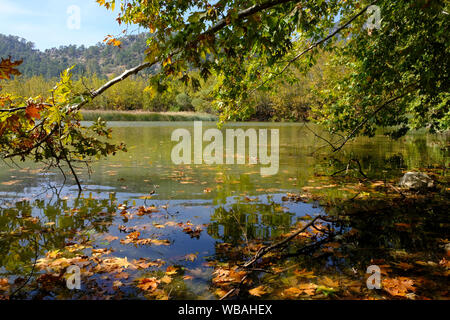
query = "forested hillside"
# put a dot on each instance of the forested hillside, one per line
(289, 101)
(101, 59)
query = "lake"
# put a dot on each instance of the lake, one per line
(190, 213)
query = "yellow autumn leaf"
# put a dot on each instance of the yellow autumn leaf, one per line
(171, 270)
(166, 279)
(258, 291)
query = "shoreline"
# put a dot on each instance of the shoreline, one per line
(137, 115)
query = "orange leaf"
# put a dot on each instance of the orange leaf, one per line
(32, 112)
(171, 270)
(304, 273)
(258, 291)
(9, 68)
(148, 284)
(398, 286)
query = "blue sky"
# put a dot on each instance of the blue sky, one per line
(44, 22)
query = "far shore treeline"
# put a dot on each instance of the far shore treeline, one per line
(285, 101)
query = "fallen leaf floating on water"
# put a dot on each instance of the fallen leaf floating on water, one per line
(171, 224)
(148, 284)
(143, 263)
(96, 253)
(190, 257)
(194, 233)
(304, 288)
(224, 277)
(304, 273)
(166, 279)
(404, 266)
(146, 210)
(171, 270)
(329, 282)
(117, 262)
(157, 242)
(398, 286)
(134, 239)
(258, 291)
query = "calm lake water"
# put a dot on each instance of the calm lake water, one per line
(225, 202)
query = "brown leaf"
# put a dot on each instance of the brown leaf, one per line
(146, 210)
(329, 282)
(292, 292)
(144, 264)
(166, 279)
(121, 275)
(405, 266)
(148, 284)
(9, 68)
(223, 276)
(190, 257)
(304, 273)
(398, 286)
(308, 288)
(258, 291)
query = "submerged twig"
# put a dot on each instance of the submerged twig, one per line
(263, 251)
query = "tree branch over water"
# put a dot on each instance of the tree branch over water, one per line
(313, 46)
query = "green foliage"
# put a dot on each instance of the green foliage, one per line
(49, 130)
(184, 102)
(92, 115)
(100, 59)
(228, 52)
(397, 76)
(288, 101)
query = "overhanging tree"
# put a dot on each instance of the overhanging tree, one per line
(395, 76)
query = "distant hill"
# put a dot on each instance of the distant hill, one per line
(102, 59)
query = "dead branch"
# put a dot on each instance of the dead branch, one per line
(348, 167)
(263, 251)
(36, 145)
(231, 291)
(362, 123)
(397, 190)
(13, 109)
